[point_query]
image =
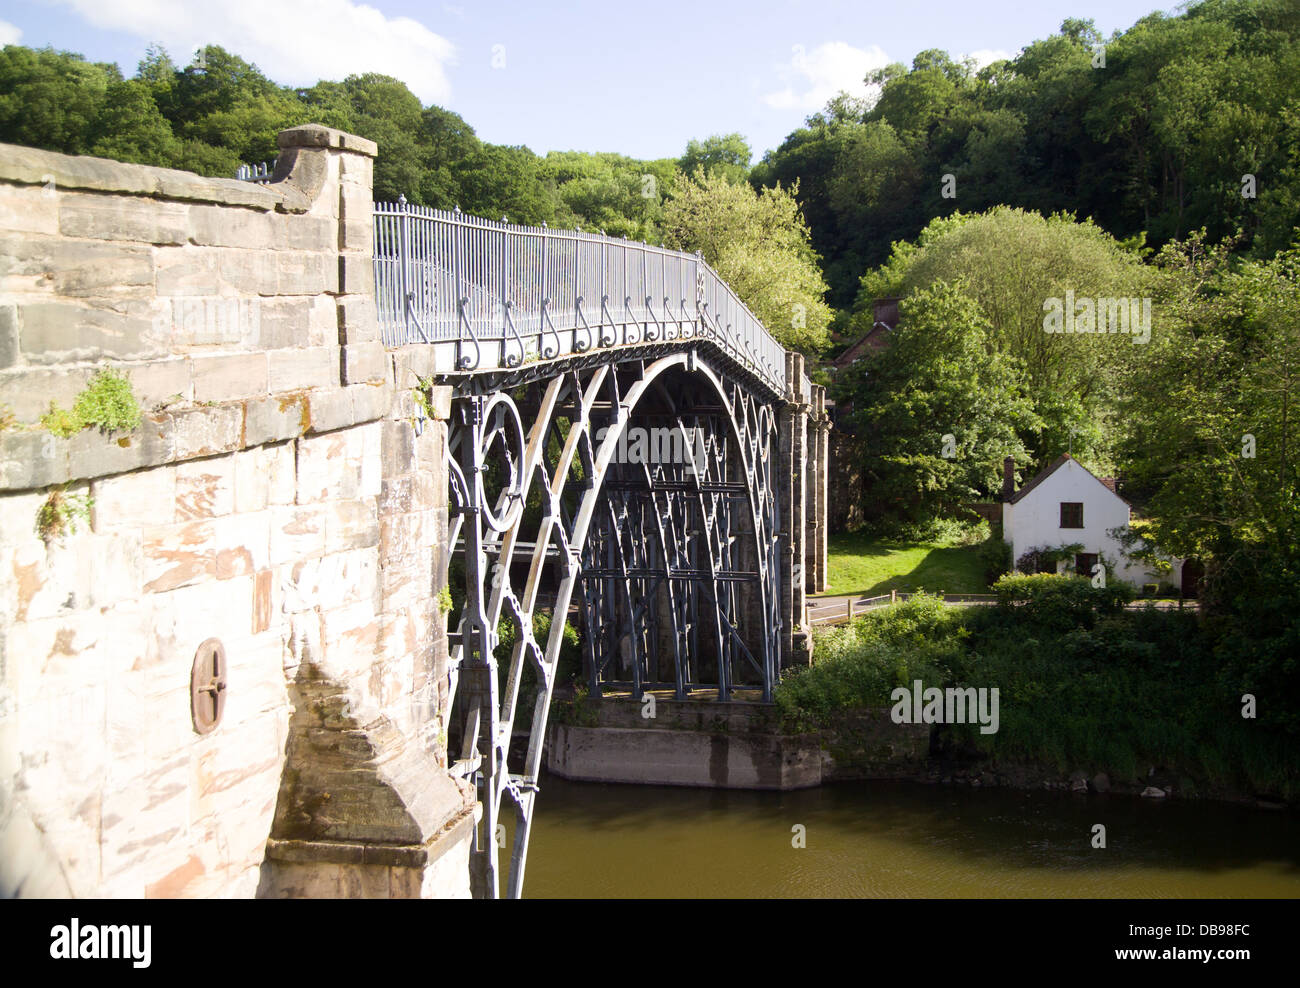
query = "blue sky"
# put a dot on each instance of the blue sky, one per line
(595, 75)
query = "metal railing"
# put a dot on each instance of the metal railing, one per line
(493, 295)
(259, 172)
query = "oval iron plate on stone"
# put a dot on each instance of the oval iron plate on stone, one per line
(208, 686)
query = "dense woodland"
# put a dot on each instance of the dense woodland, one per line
(1162, 162)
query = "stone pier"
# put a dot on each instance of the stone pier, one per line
(283, 496)
(801, 469)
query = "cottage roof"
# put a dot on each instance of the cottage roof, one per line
(1055, 465)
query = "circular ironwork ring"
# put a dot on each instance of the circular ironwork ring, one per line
(764, 433)
(501, 404)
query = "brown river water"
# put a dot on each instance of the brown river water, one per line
(895, 840)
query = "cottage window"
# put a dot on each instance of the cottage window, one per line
(1072, 514)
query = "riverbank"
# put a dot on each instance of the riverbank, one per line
(1086, 689)
(701, 743)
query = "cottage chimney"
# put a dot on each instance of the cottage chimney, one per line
(1008, 478)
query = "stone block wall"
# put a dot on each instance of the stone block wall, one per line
(816, 469)
(282, 494)
(797, 505)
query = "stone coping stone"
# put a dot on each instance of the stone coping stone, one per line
(379, 854)
(33, 166)
(33, 459)
(320, 136)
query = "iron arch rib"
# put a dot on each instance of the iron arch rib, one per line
(722, 510)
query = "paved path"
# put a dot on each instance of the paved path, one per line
(833, 610)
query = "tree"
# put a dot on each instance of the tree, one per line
(1012, 262)
(758, 243)
(1213, 455)
(622, 196)
(729, 155)
(48, 98)
(506, 181)
(130, 127)
(874, 184)
(938, 410)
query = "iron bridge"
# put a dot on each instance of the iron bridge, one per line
(614, 460)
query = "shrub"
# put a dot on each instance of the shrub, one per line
(941, 531)
(858, 665)
(995, 557)
(1040, 557)
(1058, 602)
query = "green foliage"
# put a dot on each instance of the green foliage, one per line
(727, 156)
(1082, 684)
(444, 600)
(570, 658)
(995, 557)
(1156, 142)
(107, 403)
(1215, 461)
(60, 512)
(50, 99)
(1059, 602)
(580, 711)
(758, 244)
(938, 410)
(130, 127)
(857, 665)
(421, 396)
(1038, 559)
(60, 422)
(1008, 262)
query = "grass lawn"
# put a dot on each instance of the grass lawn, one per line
(862, 564)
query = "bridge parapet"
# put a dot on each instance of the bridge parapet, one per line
(489, 295)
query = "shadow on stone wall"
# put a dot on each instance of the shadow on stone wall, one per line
(362, 812)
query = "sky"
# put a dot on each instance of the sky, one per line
(594, 75)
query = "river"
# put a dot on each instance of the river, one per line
(877, 839)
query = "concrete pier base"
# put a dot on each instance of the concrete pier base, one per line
(649, 756)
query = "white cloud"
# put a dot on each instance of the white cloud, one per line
(9, 34)
(295, 42)
(987, 56)
(812, 78)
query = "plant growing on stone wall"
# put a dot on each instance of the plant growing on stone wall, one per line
(7, 420)
(578, 712)
(444, 600)
(420, 394)
(107, 402)
(60, 422)
(59, 514)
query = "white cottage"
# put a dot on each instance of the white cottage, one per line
(1066, 505)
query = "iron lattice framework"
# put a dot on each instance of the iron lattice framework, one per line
(670, 561)
(642, 492)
